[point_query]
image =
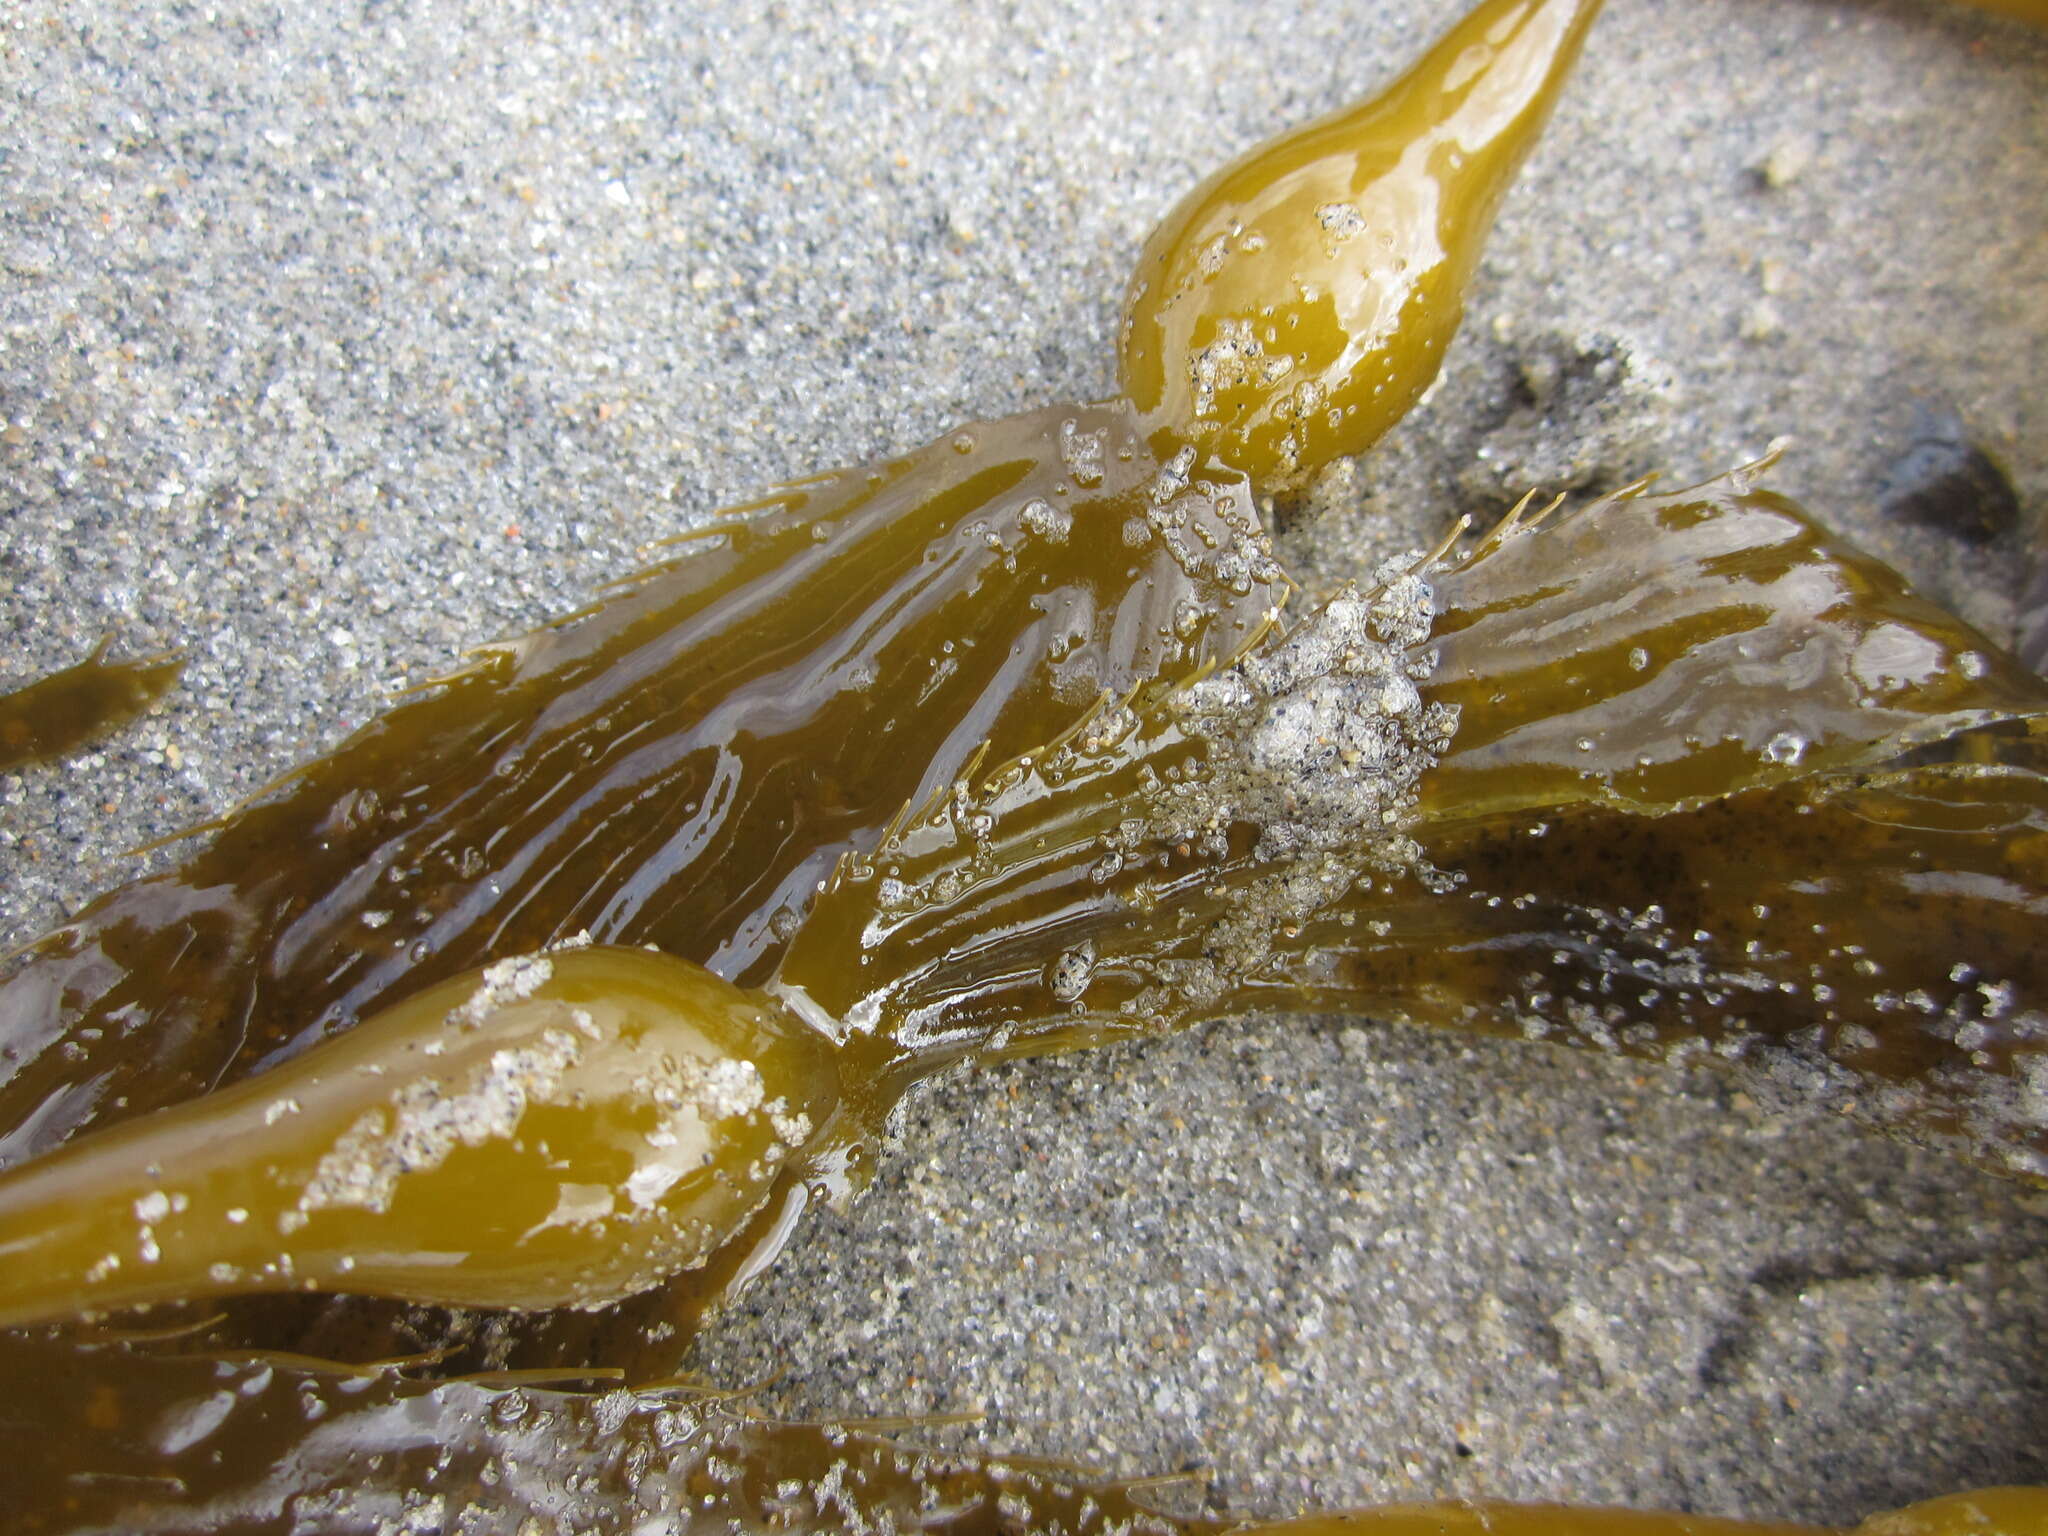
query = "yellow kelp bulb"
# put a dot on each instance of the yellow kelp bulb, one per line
(1298, 302)
(556, 1129)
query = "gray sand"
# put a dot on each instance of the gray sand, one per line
(331, 347)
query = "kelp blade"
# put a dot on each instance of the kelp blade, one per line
(1654, 652)
(80, 705)
(192, 1447)
(1680, 881)
(1868, 944)
(679, 766)
(1606, 907)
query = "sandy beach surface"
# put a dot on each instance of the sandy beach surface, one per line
(336, 339)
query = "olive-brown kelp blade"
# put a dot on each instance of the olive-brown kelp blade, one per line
(1860, 936)
(1045, 904)
(1943, 852)
(548, 788)
(80, 705)
(1061, 892)
(1870, 944)
(736, 886)
(1157, 928)
(154, 1446)
(1653, 652)
(678, 766)
(204, 1447)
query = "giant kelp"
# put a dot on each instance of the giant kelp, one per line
(1006, 746)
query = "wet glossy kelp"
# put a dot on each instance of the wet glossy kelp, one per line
(1634, 836)
(678, 766)
(374, 1451)
(1543, 788)
(80, 705)
(681, 765)
(1020, 742)
(684, 763)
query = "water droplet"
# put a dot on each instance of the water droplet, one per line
(1785, 747)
